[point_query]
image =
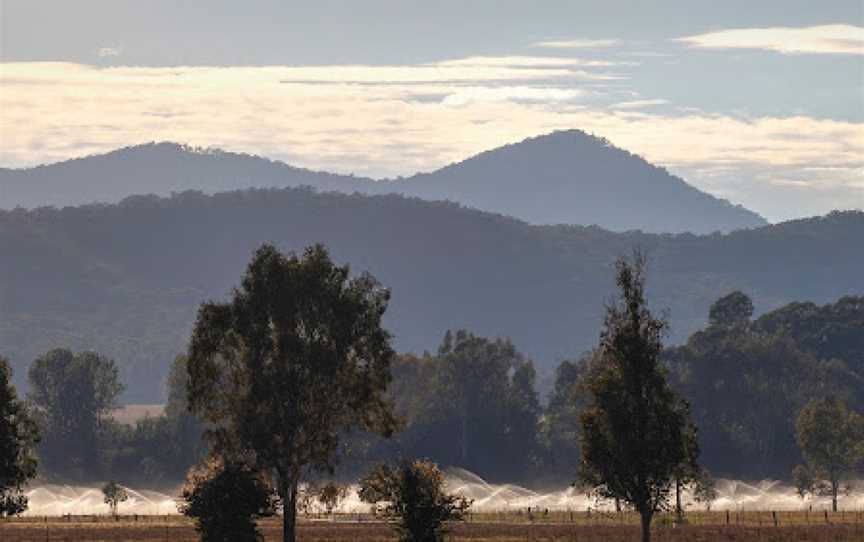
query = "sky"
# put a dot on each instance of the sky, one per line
(761, 103)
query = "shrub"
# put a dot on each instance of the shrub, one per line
(415, 496)
(225, 498)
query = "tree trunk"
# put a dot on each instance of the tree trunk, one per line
(288, 493)
(646, 526)
(679, 510)
(835, 487)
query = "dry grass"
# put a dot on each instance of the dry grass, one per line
(701, 527)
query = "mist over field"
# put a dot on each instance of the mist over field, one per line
(590, 270)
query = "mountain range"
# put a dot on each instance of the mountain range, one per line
(126, 279)
(566, 177)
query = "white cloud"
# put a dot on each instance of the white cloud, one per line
(578, 44)
(104, 52)
(826, 39)
(474, 95)
(401, 119)
(638, 104)
(524, 62)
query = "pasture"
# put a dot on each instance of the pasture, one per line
(499, 527)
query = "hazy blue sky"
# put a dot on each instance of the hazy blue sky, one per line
(759, 102)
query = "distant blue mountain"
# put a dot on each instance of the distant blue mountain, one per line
(567, 177)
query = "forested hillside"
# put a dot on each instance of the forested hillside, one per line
(565, 177)
(748, 379)
(126, 279)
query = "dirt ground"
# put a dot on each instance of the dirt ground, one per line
(704, 528)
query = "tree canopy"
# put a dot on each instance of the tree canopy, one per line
(225, 498)
(831, 438)
(295, 358)
(73, 394)
(18, 438)
(635, 428)
(414, 495)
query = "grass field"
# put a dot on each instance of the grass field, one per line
(560, 526)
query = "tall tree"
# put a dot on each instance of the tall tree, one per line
(481, 411)
(294, 358)
(18, 438)
(831, 438)
(73, 394)
(634, 432)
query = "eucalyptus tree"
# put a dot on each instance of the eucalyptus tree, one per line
(831, 439)
(634, 434)
(18, 438)
(73, 394)
(297, 356)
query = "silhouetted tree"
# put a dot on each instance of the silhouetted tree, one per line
(745, 384)
(634, 432)
(73, 394)
(731, 310)
(330, 494)
(297, 356)
(225, 499)
(482, 399)
(114, 494)
(415, 496)
(705, 488)
(18, 438)
(831, 438)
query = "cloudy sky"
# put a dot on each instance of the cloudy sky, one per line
(758, 102)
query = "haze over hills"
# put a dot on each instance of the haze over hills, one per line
(126, 279)
(566, 177)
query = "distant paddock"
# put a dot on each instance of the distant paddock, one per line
(501, 527)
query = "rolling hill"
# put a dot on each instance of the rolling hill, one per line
(561, 178)
(126, 279)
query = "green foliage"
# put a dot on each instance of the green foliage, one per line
(833, 333)
(415, 496)
(560, 426)
(635, 430)
(831, 438)
(746, 381)
(225, 499)
(731, 310)
(125, 279)
(297, 356)
(18, 438)
(114, 494)
(73, 395)
(474, 405)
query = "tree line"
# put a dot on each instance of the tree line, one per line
(295, 375)
(128, 285)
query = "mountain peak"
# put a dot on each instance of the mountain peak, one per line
(572, 177)
(564, 177)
